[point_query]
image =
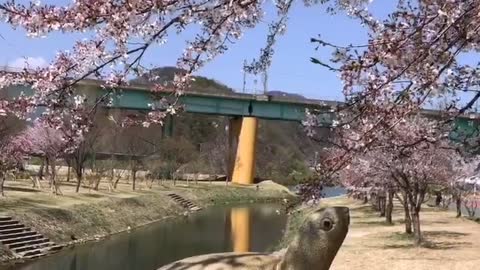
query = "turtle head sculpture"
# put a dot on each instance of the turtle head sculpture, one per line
(318, 240)
(314, 247)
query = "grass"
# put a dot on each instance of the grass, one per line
(450, 243)
(475, 219)
(94, 214)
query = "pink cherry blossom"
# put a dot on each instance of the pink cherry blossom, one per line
(411, 59)
(13, 152)
(121, 33)
(49, 143)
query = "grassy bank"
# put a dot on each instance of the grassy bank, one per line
(451, 243)
(95, 214)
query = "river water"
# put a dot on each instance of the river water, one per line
(217, 229)
(252, 227)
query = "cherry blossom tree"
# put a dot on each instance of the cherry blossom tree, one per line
(412, 59)
(13, 152)
(458, 187)
(49, 143)
(410, 158)
(120, 35)
(363, 172)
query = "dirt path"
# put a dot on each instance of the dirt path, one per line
(452, 243)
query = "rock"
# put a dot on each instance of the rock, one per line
(314, 247)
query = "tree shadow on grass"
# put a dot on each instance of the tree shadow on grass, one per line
(374, 222)
(474, 219)
(70, 183)
(447, 234)
(55, 213)
(406, 241)
(37, 201)
(402, 221)
(444, 245)
(93, 195)
(21, 189)
(399, 246)
(365, 211)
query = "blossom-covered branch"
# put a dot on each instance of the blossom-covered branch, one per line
(121, 33)
(411, 59)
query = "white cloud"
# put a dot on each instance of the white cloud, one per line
(30, 62)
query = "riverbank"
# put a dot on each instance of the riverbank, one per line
(92, 215)
(451, 243)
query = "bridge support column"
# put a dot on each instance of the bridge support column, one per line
(233, 131)
(244, 165)
(240, 220)
(167, 128)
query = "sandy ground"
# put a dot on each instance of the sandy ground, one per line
(451, 243)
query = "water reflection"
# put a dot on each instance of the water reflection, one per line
(239, 229)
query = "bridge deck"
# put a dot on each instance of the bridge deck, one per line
(138, 97)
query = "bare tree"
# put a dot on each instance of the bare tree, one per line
(82, 153)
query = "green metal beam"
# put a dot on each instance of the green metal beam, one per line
(233, 105)
(227, 105)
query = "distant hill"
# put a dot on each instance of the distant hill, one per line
(285, 94)
(165, 75)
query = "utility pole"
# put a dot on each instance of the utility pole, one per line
(244, 75)
(265, 82)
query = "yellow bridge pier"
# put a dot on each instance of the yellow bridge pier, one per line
(244, 131)
(240, 220)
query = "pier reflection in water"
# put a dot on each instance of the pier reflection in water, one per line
(218, 229)
(240, 229)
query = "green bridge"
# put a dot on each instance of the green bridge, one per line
(138, 97)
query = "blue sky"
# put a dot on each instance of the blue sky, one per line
(291, 70)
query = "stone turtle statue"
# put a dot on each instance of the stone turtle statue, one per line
(313, 248)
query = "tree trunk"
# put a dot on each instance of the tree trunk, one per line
(68, 171)
(54, 184)
(40, 171)
(438, 199)
(374, 203)
(47, 166)
(458, 202)
(416, 227)
(408, 219)
(134, 178)
(115, 184)
(79, 180)
(415, 200)
(2, 183)
(97, 182)
(383, 201)
(389, 207)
